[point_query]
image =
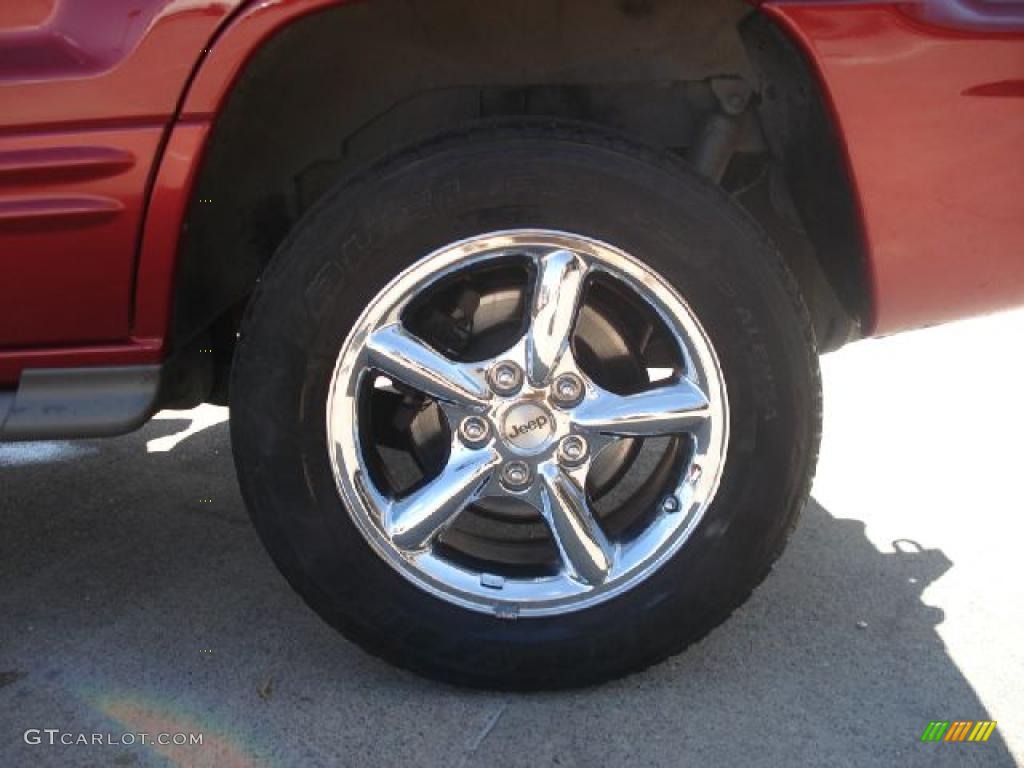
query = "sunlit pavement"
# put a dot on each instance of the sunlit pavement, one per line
(135, 597)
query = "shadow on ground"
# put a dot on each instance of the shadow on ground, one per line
(136, 598)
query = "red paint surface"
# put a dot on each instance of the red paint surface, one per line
(102, 60)
(88, 94)
(160, 244)
(70, 215)
(933, 121)
(25, 13)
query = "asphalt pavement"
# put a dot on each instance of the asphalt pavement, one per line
(135, 597)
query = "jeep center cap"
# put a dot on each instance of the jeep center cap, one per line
(528, 427)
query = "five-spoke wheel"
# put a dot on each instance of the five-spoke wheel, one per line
(527, 423)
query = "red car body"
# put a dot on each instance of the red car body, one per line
(106, 106)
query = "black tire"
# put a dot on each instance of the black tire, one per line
(502, 176)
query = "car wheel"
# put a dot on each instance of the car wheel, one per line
(525, 406)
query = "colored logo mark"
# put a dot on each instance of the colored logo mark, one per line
(958, 730)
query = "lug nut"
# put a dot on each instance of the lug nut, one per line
(474, 431)
(505, 378)
(670, 504)
(572, 450)
(516, 475)
(567, 390)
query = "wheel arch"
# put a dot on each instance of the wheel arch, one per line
(297, 92)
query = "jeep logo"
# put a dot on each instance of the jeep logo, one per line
(528, 426)
(532, 424)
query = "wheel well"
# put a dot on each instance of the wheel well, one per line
(713, 81)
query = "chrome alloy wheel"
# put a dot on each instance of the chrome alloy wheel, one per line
(528, 427)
